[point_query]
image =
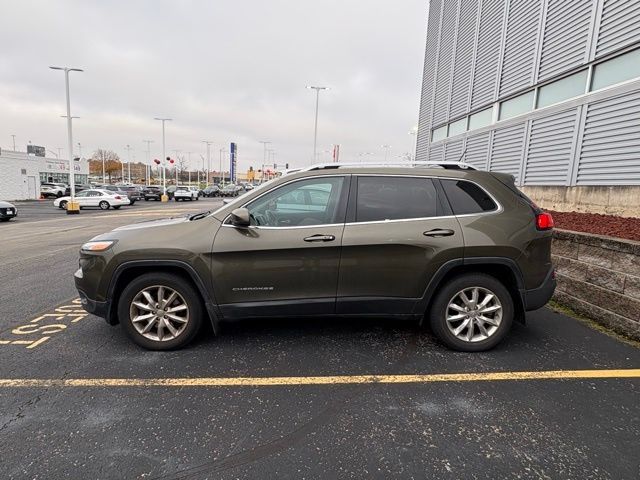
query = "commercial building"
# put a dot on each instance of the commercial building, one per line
(547, 90)
(21, 174)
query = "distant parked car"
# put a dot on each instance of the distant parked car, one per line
(119, 190)
(230, 190)
(152, 192)
(134, 192)
(103, 199)
(53, 189)
(197, 190)
(211, 191)
(7, 211)
(185, 193)
(171, 191)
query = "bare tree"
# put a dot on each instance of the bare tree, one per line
(181, 165)
(111, 162)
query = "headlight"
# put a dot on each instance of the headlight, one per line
(100, 246)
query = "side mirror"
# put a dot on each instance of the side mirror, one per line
(240, 217)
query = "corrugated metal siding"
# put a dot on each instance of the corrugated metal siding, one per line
(619, 25)
(443, 79)
(488, 54)
(453, 151)
(550, 147)
(464, 58)
(477, 150)
(431, 50)
(520, 45)
(436, 153)
(506, 151)
(610, 152)
(566, 32)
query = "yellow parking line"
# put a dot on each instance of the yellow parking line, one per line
(327, 380)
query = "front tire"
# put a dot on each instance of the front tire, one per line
(472, 313)
(63, 205)
(104, 205)
(160, 311)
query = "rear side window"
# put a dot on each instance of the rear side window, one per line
(395, 198)
(466, 197)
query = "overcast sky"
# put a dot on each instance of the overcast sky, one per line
(224, 70)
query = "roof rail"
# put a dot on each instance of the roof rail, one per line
(446, 165)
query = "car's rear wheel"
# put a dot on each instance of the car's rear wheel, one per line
(117, 207)
(104, 205)
(63, 204)
(472, 313)
(59, 194)
(160, 311)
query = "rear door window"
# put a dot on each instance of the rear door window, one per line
(467, 198)
(395, 198)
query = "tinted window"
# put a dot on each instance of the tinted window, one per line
(303, 203)
(395, 198)
(467, 197)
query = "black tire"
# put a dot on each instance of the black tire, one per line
(116, 207)
(63, 204)
(5, 219)
(180, 285)
(104, 205)
(132, 203)
(438, 314)
(146, 199)
(58, 195)
(197, 198)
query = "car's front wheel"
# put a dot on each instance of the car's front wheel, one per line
(472, 313)
(160, 311)
(104, 205)
(63, 204)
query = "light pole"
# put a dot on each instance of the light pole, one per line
(164, 176)
(386, 151)
(128, 148)
(189, 166)
(148, 169)
(209, 143)
(72, 207)
(264, 157)
(104, 176)
(79, 150)
(315, 128)
(222, 150)
(14, 142)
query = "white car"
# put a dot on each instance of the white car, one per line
(53, 189)
(103, 199)
(185, 193)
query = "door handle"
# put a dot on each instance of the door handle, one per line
(438, 232)
(320, 238)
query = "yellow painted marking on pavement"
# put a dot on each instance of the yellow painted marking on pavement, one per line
(326, 380)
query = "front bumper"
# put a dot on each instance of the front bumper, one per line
(94, 307)
(538, 297)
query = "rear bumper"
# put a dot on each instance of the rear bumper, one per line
(538, 297)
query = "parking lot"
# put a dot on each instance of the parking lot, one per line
(337, 398)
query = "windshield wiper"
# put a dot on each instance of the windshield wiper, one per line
(198, 216)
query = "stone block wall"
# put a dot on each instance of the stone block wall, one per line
(599, 277)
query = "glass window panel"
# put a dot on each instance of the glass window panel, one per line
(458, 127)
(395, 198)
(467, 197)
(617, 70)
(439, 134)
(563, 89)
(516, 106)
(481, 119)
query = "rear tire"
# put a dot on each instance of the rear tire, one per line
(117, 207)
(63, 205)
(472, 327)
(104, 205)
(187, 305)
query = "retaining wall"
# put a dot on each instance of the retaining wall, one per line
(599, 277)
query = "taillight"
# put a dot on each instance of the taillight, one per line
(544, 221)
(118, 197)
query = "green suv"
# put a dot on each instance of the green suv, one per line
(462, 250)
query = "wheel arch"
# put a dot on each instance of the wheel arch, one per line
(127, 271)
(503, 269)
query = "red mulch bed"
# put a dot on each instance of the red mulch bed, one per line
(610, 225)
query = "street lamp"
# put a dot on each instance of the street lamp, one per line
(386, 151)
(315, 128)
(14, 142)
(222, 150)
(148, 169)
(209, 143)
(128, 148)
(164, 176)
(72, 207)
(264, 156)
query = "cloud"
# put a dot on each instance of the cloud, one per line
(230, 70)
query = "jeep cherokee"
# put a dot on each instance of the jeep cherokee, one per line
(462, 250)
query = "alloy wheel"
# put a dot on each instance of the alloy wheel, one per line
(159, 313)
(474, 314)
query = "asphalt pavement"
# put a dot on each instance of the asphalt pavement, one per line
(322, 398)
